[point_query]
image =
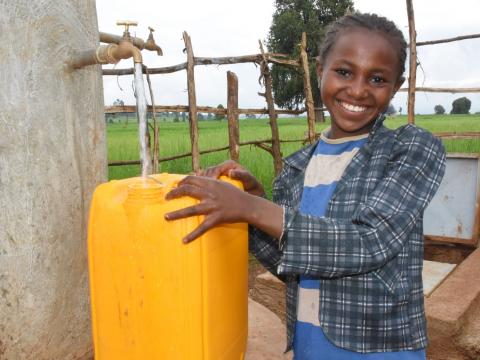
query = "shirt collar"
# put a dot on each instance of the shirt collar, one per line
(299, 160)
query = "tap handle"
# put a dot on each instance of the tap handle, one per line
(127, 24)
(151, 29)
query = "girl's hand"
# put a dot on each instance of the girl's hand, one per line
(220, 202)
(235, 171)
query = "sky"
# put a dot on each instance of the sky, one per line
(220, 28)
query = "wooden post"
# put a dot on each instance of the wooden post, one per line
(307, 88)
(232, 115)
(267, 77)
(412, 77)
(192, 103)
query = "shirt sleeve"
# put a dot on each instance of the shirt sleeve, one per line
(379, 228)
(263, 246)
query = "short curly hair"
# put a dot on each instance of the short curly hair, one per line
(370, 22)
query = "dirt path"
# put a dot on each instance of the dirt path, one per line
(268, 293)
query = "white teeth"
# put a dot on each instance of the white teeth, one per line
(353, 108)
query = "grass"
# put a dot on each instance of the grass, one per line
(175, 139)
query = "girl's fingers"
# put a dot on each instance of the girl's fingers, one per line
(200, 230)
(198, 181)
(203, 183)
(185, 190)
(194, 210)
(213, 172)
(219, 170)
(240, 174)
(247, 179)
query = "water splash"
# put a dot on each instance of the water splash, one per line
(142, 120)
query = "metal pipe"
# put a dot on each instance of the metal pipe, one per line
(119, 47)
(84, 58)
(106, 54)
(115, 39)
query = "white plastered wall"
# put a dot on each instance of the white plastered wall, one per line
(52, 155)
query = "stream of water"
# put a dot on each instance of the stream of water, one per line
(142, 117)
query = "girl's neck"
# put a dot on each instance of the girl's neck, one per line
(338, 133)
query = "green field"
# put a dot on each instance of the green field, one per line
(175, 139)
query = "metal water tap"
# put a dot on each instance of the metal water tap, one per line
(150, 43)
(125, 48)
(138, 42)
(127, 24)
(111, 53)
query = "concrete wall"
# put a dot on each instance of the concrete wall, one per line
(52, 155)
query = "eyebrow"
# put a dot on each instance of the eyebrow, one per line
(351, 64)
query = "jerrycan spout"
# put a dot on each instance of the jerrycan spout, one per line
(145, 190)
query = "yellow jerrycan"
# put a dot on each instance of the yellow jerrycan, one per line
(152, 296)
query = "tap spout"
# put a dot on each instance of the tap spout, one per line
(151, 45)
(125, 50)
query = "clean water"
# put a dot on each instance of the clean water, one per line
(142, 120)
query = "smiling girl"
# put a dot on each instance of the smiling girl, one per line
(344, 230)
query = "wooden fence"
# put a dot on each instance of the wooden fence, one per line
(263, 59)
(412, 78)
(232, 111)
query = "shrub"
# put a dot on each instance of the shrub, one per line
(439, 110)
(461, 106)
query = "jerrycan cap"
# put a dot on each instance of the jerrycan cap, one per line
(145, 189)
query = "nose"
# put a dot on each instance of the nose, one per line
(357, 88)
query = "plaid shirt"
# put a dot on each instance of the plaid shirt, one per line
(368, 250)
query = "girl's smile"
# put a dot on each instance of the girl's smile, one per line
(357, 81)
(352, 107)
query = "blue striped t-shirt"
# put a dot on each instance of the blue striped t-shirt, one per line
(323, 172)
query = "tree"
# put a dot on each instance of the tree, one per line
(291, 18)
(439, 110)
(461, 106)
(219, 116)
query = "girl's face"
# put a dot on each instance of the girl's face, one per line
(357, 80)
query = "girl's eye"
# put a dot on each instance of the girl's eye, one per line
(377, 80)
(342, 72)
